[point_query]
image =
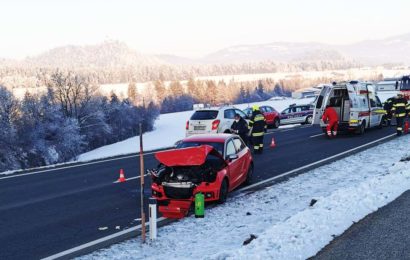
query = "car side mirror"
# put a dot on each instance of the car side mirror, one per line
(232, 157)
(177, 143)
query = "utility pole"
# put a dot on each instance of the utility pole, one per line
(142, 186)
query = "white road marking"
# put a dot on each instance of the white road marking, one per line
(316, 135)
(133, 229)
(131, 178)
(287, 130)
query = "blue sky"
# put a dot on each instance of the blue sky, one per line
(193, 27)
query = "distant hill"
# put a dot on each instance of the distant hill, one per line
(389, 50)
(279, 51)
(110, 54)
(115, 54)
(392, 49)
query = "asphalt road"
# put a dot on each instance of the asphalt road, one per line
(381, 235)
(49, 212)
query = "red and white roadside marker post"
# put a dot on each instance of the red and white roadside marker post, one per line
(142, 187)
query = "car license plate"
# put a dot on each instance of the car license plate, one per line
(199, 127)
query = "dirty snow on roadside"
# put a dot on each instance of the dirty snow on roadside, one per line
(285, 225)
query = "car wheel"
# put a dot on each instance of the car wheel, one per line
(223, 192)
(276, 123)
(249, 175)
(383, 122)
(308, 120)
(362, 128)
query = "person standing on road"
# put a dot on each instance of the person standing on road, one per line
(399, 111)
(332, 119)
(257, 126)
(388, 105)
(240, 127)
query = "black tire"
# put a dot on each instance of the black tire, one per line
(383, 122)
(362, 128)
(223, 192)
(308, 120)
(276, 123)
(249, 175)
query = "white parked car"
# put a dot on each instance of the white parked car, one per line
(211, 121)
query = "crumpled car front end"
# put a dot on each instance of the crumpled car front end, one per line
(189, 171)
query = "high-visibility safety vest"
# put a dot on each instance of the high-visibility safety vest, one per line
(257, 124)
(399, 107)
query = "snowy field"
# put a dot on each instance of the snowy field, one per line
(280, 217)
(169, 128)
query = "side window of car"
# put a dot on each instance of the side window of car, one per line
(229, 114)
(293, 110)
(298, 109)
(239, 144)
(242, 114)
(372, 102)
(262, 109)
(378, 102)
(230, 148)
(286, 111)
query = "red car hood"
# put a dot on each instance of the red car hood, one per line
(192, 156)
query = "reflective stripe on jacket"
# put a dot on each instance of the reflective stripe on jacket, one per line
(258, 124)
(399, 107)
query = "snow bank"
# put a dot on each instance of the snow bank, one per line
(280, 217)
(169, 128)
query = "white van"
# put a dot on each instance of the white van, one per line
(356, 103)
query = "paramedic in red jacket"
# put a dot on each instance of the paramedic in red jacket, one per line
(332, 119)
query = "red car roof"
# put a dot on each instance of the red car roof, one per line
(192, 156)
(214, 138)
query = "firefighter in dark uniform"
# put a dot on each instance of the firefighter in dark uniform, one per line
(388, 105)
(240, 127)
(399, 111)
(257, 126)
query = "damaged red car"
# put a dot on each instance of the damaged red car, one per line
(211, 164)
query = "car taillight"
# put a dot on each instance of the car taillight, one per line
(187, 125)
(215, 124)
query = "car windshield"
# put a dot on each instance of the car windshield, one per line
(204, 115)
(217, 146)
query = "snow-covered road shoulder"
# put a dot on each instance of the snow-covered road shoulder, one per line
(281, 218)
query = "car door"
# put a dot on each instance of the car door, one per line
(375, 107)
(299, 115)
(292, 116)
(242, 158)
(229, 117)
(268, 115)
(284, 116)
(320, 104)
(234, 165)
